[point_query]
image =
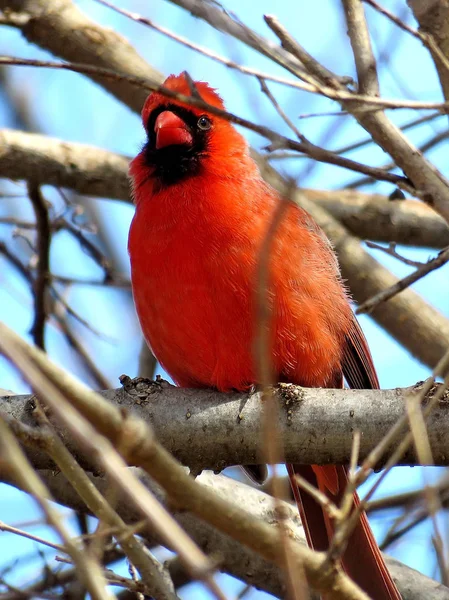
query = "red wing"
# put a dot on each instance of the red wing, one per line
(358, 366)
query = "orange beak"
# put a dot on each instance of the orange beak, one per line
(171, 131)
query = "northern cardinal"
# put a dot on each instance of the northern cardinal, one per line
(202, 213)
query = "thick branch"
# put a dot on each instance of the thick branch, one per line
(433, 18)
(208, 430)
(62, 29)
(376, 217)
(82, 168)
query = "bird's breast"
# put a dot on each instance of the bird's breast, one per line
(194, 285)
(194, 305)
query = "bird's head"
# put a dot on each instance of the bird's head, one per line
(183, 140)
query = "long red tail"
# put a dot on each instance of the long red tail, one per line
(362, 560)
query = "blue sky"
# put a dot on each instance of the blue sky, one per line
(67, 106)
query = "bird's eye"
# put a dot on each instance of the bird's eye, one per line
(204, 123)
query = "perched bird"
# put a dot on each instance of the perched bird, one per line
(202, 213)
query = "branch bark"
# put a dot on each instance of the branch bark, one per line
(65, 31)
(208, 430)
(376, 217)
(82, 168)
(433, 18)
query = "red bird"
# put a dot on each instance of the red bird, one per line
(202, 213)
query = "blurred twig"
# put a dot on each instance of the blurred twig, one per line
(41, 281)
(15, 461)
(422, 271)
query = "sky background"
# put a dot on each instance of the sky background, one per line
(70, 107)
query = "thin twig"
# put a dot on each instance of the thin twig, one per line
(152, 573)
(273, 451)
(391, 251)
(315, 68)
(442, 369)
(30, 536)
(41, 281)
(200, 49)
(402, 284)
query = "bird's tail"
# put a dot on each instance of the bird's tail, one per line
(362, 559)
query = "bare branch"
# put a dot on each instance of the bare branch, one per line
(85, 169)
(422, 271)
(361, 46)
(14, 461)
(219, 433)
(433, 19)
(151, 572)
(43, 241)
(65, 31)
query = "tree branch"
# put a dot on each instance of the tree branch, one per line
(376, 217)
(62, 29)
(82, 168)
(433, 19)
(41, 280)
(208, 430)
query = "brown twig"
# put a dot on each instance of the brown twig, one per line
(391, 251)
(201, 49)
(402, 284)
(58, 308)
(150, 571)
(315, 68)
(91, 249)
(272, 441)
(442, 369)
(30, 536)
(41, 281)
(425, 38)
(425, 147)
